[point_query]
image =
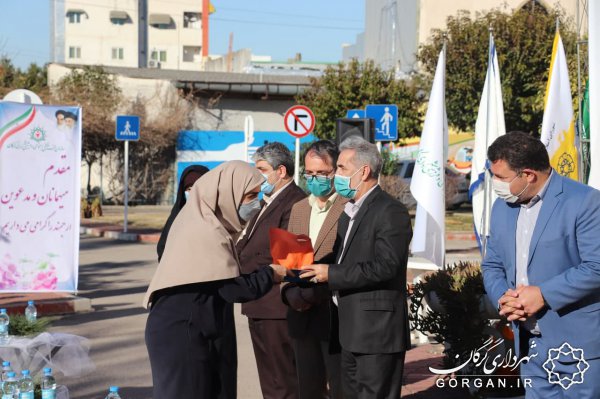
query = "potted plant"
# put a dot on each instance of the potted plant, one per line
(451, 306)
(446, 305)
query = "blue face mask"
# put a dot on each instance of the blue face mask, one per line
(319, 186)
(267, 188)
(342, 185)
(248, 210)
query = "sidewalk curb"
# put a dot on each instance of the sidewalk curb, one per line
(116, 233)
(51, 307)
(460, 236)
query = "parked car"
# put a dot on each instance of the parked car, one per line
(457, 185)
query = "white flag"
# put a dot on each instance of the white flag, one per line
(488, 127)
(558, 125)
(428, 182)
(594, 93)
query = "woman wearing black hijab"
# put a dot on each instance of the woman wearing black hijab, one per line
(187, 180)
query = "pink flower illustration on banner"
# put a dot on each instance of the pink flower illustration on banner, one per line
(9, 275)
(45, 280)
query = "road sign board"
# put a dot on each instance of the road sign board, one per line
(386, 121)
(127, 128)
(299, 121)
(355, 113)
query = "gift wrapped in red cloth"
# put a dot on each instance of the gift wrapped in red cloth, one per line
(290, 250)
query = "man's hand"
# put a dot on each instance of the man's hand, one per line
(510, 307)
(317, 273)
(530, 298)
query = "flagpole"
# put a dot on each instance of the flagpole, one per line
(486, 180)
(444, 49)
(583, 164)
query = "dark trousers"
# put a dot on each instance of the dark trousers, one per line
(369, 376)
(185, 364)
(317, 369)
(274, 358)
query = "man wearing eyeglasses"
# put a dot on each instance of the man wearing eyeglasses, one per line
(317, 361)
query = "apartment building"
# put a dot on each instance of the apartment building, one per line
(394, 29)
(163, 34)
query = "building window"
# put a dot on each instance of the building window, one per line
(75, 16)
(161, 21)
(192, 20)
(534, 6)
(192, 54)
(159, 55)
(74, 52)
(117, 53)
(119, 17)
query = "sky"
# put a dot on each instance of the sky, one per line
(279, 28)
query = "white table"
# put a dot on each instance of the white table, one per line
(66, 354)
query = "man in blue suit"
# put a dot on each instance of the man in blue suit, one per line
(542, 267)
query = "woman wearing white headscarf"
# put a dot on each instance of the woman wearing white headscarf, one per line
(190, 333)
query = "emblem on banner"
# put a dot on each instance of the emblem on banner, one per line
(38, 134)
(566, 164)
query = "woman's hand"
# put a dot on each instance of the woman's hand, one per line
(279, 272)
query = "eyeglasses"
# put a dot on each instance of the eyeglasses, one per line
(320, 178)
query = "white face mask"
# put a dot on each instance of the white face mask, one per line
(248, 210)
(502, 190)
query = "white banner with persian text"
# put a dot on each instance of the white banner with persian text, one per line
(40, 152)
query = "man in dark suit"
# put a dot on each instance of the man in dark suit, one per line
(267, 316)
(317, 360)
(369, 278)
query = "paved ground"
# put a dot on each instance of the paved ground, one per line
(114, 275)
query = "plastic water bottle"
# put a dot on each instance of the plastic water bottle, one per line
(26, 386)
(113, 393)
(48, 385)
(10, 390)
(30, 312)
(5, 370)
(4, 322)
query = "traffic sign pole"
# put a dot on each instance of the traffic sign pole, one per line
(127, 128)
(297, 163)
(298, 121)
(126, 198)
(248, 132)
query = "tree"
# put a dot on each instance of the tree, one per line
(355, 85)
(8, 75)
(35, 78)
(11, 78)
(524, 45)
(99, 96)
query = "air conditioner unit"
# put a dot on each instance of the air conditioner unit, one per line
(154, 64)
